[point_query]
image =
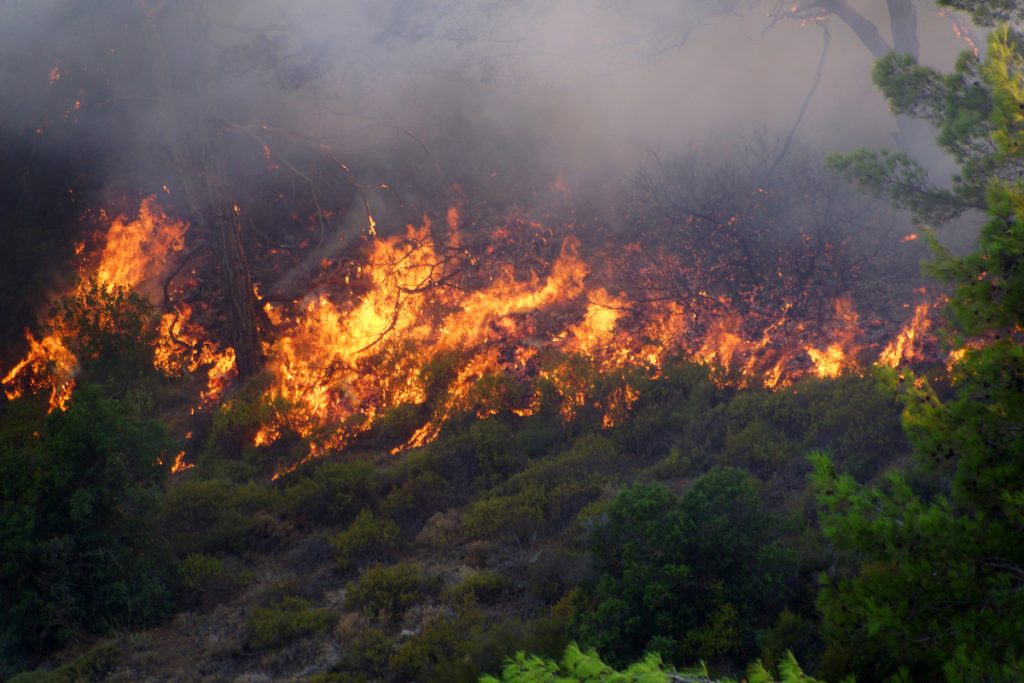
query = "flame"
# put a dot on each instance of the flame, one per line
(427, 326)
(47, 365)
(182, 348)
(959, 31)
(905, 347)
(840, 355)
(136, 251)
(180, 465)
(339, 366)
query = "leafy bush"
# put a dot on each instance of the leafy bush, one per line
(688, 577)
(584, 667)
(331, 492)
(386, 592)
(78, 544)
(368, 538)
(366, 649)
(486, 587)
(93, 666)
(201, 517)
(431, 655)
(288, 620)
(206, 581)
(197, 571)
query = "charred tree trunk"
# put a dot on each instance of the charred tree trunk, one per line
(239, 299)
(903, 20)
(903, 23)
(865, 30)
(194, 147)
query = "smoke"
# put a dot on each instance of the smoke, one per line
(582, 85)
(420, 94)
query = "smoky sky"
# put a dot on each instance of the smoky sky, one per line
(578, 84)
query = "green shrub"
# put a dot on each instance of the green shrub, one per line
(533, 509)
(207, 581)
(94, 665)
(486, 587)
(368, 651)
(79, 547)
(387, 592)
(417, 495)
(553, 573)
(368, 538)
(331, 492)
(200, 518)
(285, 621)
(432, 654)
(690, 577)
(197, 571)
(520, 514)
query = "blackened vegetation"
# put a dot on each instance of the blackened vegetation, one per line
(778, 245)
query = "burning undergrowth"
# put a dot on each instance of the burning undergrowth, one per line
(479, 309)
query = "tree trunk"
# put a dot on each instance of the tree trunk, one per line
(903, 20)
(195, 149)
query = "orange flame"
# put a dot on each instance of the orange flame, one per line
(905, 347)
(135, 253)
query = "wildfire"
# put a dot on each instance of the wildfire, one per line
(906, 345)
(419, 330)
(339, 366)
(47, 365)
(136, 252)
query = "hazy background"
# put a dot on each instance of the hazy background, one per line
(587, 84)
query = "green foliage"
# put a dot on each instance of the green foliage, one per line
(78, 545)
(112, 332)
(988, 12)
(93, 666)
(206, 580)
(331, 492)
(685, 577)
(486, 587)
(386, 592)
(368, 652)
(213, 516)
(432, 654)
(577, 666)
(198, 570)
(959, 106)
(586, 667)
(285, 621)
(789, 672)
(547, 495)
(367, 539)
(769, 432)
(932, 578)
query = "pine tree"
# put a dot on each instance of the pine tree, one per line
(936, 579)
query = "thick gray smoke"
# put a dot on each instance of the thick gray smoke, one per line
(580, 84)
